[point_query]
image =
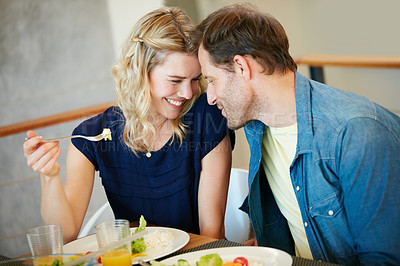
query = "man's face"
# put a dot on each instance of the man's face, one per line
(227, 90)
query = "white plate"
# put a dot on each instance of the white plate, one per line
(263, 255)
(89, 243)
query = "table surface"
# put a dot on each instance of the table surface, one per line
(198, 242)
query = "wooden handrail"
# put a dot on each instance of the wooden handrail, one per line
(53, 119)
(312, 60)
(321, 60)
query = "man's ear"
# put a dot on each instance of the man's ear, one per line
(241, 66)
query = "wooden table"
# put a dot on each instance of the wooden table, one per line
(197, 240)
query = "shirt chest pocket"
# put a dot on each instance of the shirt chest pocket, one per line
(330, 222)
(326, 208)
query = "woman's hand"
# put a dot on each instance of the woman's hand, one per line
(42, 156)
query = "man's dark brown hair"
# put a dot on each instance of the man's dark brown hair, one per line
(242, 30)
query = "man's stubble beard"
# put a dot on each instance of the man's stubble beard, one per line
(237, 118)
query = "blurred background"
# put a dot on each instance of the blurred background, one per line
(56, 55)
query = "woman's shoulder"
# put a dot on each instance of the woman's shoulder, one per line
(111, 118)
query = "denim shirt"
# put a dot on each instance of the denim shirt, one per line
(345, 175)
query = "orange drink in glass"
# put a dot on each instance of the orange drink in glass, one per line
(116, 257)
(43, 261)
(109, 232)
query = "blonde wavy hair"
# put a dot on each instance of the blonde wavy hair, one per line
(158, 33)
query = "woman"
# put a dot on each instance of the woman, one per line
(170, 154)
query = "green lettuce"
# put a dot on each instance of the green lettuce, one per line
(138, 245)
(183, 263)
(210, 260)
(142, 224)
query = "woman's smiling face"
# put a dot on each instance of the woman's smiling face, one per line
(172, 83)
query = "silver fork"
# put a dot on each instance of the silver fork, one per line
(106, 134)
(143, 263)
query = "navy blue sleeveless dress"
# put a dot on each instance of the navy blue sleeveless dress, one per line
(164, 187)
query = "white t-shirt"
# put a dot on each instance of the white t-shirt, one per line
(278, 150)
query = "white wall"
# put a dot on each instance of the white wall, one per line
(124, 14)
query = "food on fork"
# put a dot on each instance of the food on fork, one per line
(106, 134)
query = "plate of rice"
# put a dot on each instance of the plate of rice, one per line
(160, 242)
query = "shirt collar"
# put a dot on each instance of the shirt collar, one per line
(255, 129)
(304, 113)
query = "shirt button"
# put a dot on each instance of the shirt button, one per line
(297, 188)
(258, 160)
(305, 224)
(330, 212)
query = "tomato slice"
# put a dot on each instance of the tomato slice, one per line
(241, 260)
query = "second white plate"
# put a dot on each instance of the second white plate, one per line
(255, 255)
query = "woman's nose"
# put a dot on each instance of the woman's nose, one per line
(185, 91)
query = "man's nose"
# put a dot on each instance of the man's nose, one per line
(211, 97)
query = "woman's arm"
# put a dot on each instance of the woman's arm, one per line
(78, 185)
(213, 189)
(66, 205)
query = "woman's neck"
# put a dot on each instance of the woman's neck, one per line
(163, 132)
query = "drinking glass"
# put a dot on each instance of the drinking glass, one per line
(109, 232)
(45, 240)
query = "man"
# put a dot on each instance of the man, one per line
(324, 171)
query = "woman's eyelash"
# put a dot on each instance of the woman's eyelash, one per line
(176, 81)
